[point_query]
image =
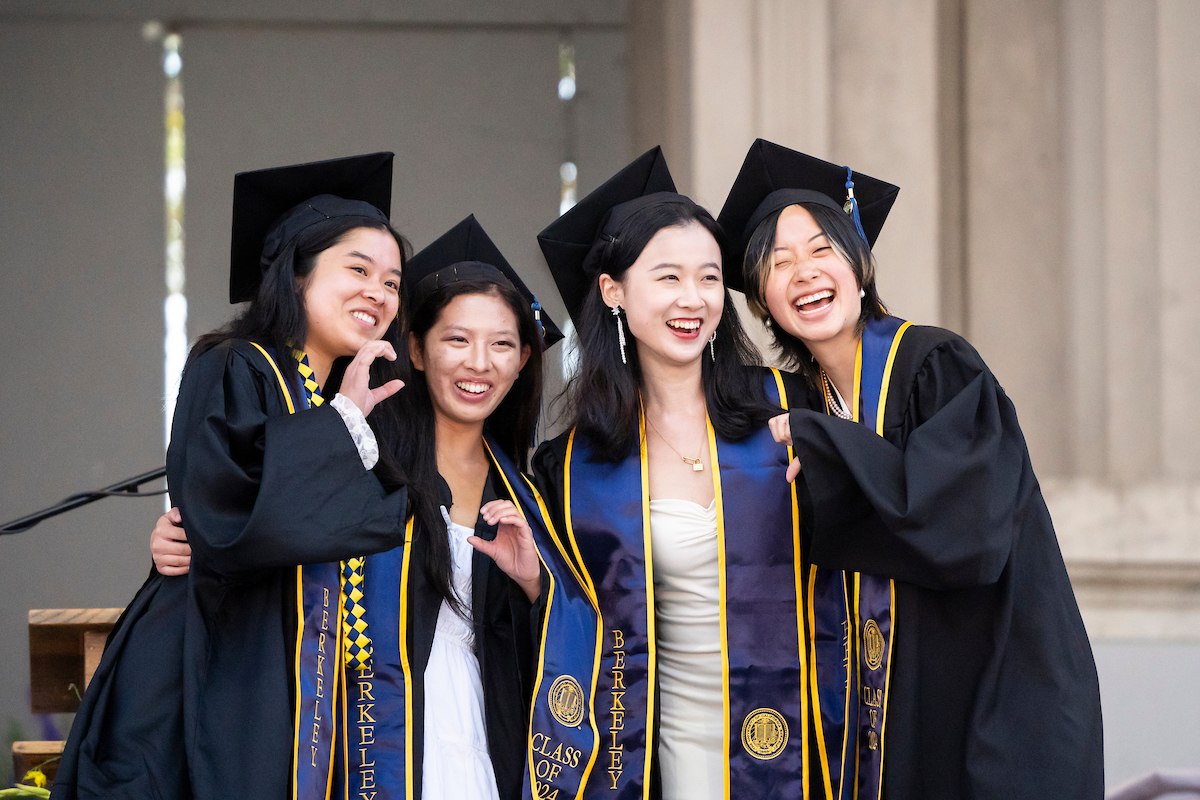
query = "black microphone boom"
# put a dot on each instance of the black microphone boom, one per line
(126, 488)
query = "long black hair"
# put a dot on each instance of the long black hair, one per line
(843, 236)
(605, 396)
(511, 425)
(275, 318)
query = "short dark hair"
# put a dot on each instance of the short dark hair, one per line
(604, 397)
(843, 236)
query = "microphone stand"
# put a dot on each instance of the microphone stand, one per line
(126, 488)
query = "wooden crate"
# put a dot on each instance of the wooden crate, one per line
(27, 755)
(65, 645)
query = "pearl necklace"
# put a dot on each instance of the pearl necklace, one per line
(831, 400)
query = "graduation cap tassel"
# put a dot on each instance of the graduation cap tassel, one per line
(537, 316)
(851, 206)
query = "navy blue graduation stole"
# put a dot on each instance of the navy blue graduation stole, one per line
(852, 618)
(603, 638)
(375, 747)
(374, 758)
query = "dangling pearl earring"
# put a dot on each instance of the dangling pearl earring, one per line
(862, 292)
(711, 350)
(616, 312)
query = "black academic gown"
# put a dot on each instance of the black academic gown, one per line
(192, 697)
(260, 490)
(993, 691)
(127, 737)
(501, 618)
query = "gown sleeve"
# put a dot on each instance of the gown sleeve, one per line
(260, 491)
(932, 502)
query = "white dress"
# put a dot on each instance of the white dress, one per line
(687, 598)
(457, 765)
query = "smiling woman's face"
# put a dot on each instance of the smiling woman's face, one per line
(352, 294)
(673, 294)
(811, 291)
(471, 357)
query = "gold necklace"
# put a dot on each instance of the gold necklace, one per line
(697, 464)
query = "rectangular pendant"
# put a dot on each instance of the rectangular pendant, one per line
(698, 467)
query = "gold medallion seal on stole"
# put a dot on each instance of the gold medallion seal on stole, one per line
(566, 700)
(873, 645)
(764, 733)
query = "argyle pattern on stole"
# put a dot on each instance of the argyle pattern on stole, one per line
(310, 383)
(354, 621)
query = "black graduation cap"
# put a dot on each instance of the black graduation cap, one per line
(466, 253)
(571, 243)
(774, 177)
(271, 206)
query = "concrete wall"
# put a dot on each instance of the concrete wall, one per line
(464, 93)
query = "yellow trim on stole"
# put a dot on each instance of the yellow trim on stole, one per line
(722, 593)
(541, 669)
(857, 379)
(798, 570)
(405, 666)
(591, 589)
(299, 641)
(858, 669)
(850, 659)
(887, 380)
(887, 683)
(887, 679)
(651, 634)
(819, 727)
(345, 715)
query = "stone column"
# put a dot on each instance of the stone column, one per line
(1178, 196)
(1015, 195)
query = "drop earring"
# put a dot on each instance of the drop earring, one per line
(711, 350)
(616, 312)
(862, 292)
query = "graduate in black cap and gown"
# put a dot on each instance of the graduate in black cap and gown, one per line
(668, 492)
(197, 693)
(446, 686)
(434, 704)
(970, 674)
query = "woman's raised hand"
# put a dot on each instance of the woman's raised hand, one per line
(512, 549)
(356, 384)
(168, 544)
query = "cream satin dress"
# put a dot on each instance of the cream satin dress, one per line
(683, 541)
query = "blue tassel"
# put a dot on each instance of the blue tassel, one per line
(537, 315)
(851, 206)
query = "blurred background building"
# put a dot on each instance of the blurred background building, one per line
(1048, 153)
